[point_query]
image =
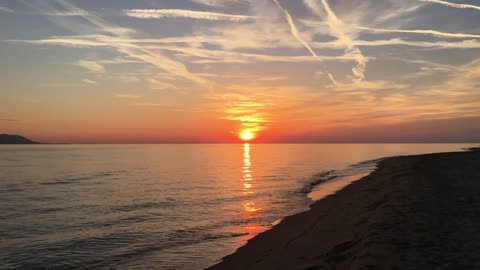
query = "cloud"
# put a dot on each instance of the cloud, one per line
(276, 78)
(152, 104)
(214, 3)
(248, 111)
(8, 120)
(340, 31)
(295, 32)
(455, 5)
(91, 65)
(88, 81)
(181, 13)
(464, 44)
(5, 9)
(423, 32)
(68, 42)
(158, 85)
(214, 56)
(396, 13)
(129, 78)
(129, 96)
(130, 49)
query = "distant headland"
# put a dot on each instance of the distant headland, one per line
(15, 139)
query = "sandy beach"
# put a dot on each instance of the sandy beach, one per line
(413, 212)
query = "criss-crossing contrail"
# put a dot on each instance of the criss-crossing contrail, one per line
(337, 29)
(294, 31)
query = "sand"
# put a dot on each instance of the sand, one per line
(413, 212)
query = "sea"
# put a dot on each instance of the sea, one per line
(165, 206)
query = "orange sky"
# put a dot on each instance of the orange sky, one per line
(206, 71)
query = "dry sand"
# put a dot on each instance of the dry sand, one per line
(414, 212)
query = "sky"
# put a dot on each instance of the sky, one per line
(208, 71)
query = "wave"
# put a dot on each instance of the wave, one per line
(75, 179)
(366, 166)
(317, 179)
(168, 202)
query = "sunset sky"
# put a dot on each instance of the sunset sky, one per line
(145, 71)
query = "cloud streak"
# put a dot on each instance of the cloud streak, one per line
(214, 3)
(132, 50)
(294, 31)
(88, 81)
(91, 65)
(128, 96)
(5, 9)
(181, 13)
(422, 32)
(152, 105)
(455, 5)
(337, 29)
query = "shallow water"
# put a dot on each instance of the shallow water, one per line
(160, 206)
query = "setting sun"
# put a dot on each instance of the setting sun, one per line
(246, 135)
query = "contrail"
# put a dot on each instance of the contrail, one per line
(136, 51)
(455, 5)
(425, 32)
(181, 13)
(337, 29)
(294, 31)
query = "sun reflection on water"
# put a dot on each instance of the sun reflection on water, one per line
(247, 179)
(251, 210)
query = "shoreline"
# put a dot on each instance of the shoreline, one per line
(412, 212)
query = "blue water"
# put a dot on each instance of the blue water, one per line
(159, 206)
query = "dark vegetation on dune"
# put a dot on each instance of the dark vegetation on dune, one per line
(15, 139)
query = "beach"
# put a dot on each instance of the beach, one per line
(412, 212)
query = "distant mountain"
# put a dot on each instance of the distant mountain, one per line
(15, 139)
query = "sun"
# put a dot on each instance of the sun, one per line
(247, 135)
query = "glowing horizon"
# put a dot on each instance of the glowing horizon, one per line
(209, 70)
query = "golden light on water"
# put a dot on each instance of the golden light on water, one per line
(247, 178)
(246, 170)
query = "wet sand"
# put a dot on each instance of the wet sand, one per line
(413, 212)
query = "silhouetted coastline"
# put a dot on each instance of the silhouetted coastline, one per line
(15, 139)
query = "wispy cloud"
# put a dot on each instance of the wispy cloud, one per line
(338, 29)
(5, 9)
(435, 45)
(270, 53)
(214, 3)
(132, 50)
(181, 13)
(129, 96)
(276, 78)
(294, 31)
(146, 104)
(455, 5)
(88, 81)
(396, 13)
(159, 85)
(68, 42)
(8, 120)
(422, 32)
(91, 65)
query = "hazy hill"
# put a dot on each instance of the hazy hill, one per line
(15, 139)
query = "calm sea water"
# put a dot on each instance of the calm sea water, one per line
(159, 206)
